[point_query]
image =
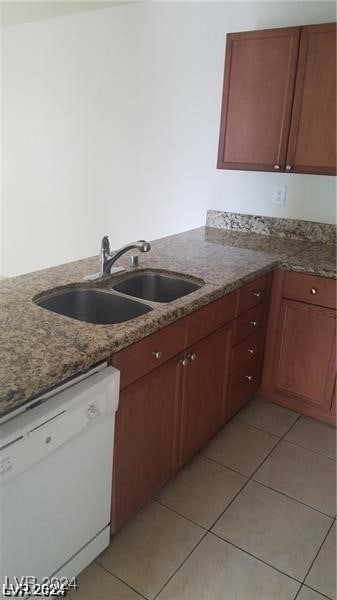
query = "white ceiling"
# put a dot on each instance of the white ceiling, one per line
(14, 12)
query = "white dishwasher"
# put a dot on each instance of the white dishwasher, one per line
(55, 480)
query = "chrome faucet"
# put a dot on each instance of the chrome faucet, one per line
(108, 259)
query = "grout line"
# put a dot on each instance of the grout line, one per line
(310, 450)
(294, 499)
(179, 567)
(176, 512)
(249, 478)
(238, 420)
(209, 530)
(121, 580)
(304, 585)
(317, 592)
(255, 557)
(235, 419)
(317, 553)
(224, 466)
(233, 499)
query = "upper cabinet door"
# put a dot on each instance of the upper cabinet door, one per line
(312, 142)
(259, 79)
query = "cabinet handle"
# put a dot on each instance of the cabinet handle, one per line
(249, 377)
(250, 350)
(257, 294)
(192, 356)
(313, 291)
(183, 362)
(157, 354)
(277, 167)
(252, 323)
(288, 167)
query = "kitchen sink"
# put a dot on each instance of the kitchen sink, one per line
(93, 305)
(156, 287)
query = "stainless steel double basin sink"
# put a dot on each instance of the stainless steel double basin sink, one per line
(113, 303)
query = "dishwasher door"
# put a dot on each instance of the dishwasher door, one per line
(55, 481)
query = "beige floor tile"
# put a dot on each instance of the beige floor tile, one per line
(315, 436)
(218, 571)
(267, 416)
(147, 551)
(308, 594)
(201, 491)
(322, 575)
(96, 584)
(240, 447)
(275, 528)
(301, 474)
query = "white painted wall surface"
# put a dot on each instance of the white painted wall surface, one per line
(111, 125)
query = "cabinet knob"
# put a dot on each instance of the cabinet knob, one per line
(257, 294)
(277, 167)
(250, 350)
(157, 354)
(313, 291)
(288, 167)
(249, 377)
(183, 362)
(193, 356)
(252, 323)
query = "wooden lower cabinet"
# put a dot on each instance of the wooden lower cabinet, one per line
(243, 384)
(146, 440)
(305, 356)
(205, 375)
(300, 359)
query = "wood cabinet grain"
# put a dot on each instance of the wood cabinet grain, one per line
(259, 79)
(300, 358)
(146, 440)
(205, 377)
(279, 101)
(312, 141)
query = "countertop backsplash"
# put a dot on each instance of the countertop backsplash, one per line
(295, 229)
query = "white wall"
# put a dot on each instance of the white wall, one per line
(111, 126)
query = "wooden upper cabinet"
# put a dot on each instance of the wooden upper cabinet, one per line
(259, 79)
(312, 141)
(279, 101)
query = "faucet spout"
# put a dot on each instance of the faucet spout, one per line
(108, 259)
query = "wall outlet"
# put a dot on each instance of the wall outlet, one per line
(279, 194)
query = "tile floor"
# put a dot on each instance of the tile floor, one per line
(252, 517)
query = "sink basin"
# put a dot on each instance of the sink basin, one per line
(156, 287)
(93, 305)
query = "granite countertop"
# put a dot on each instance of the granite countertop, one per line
(40, 349)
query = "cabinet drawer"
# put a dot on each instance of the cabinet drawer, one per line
(253, 293)
(247, 349)
(140, 358)
(211, 317)
(243, 384)
(310, 288)
(248, 322)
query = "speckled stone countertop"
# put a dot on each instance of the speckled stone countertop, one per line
(41, 349)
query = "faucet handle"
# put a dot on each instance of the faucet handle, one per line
(105, 244)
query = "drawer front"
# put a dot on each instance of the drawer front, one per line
(140, 358)
(243, 384)
(211, 317)
(247, 349)
(249, 322)
(310, 288)
(253, 293)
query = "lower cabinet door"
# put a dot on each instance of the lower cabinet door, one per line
(205, 374)
(146, 440)
(304, 366)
